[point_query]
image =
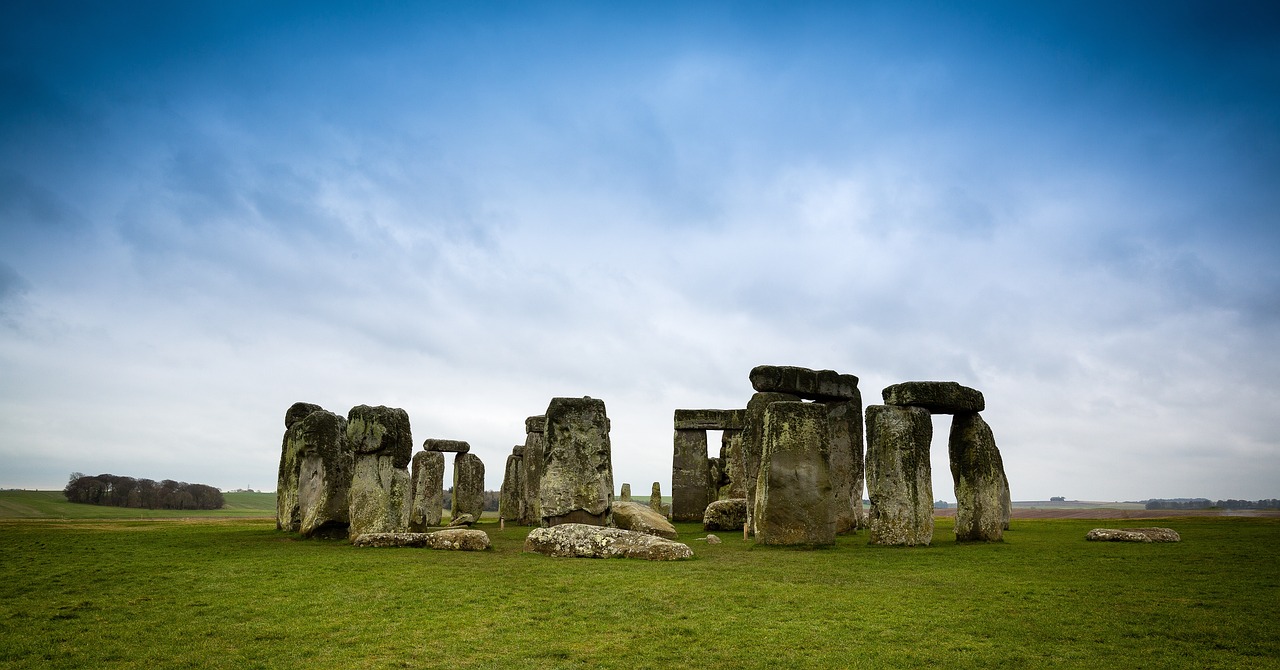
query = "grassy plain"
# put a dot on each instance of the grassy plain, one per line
(53, 505)
(237, 593)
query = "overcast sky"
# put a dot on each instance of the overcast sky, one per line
(212, 210)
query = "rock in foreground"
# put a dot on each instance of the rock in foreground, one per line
(577, 540)
(456, 539)
(640, 518)
(1133, 535)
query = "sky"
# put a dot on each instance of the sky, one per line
(212, 210)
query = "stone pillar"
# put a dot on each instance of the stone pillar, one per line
(512, 495)
(1008, 503)
(577, 473)
(324, 474)
(898, 475)
(689, 475)
(731, 453)
(379, 495)
(753, 444)
(655, 500)
(978, 472)
(626, 493)
(427, 491)
(468, 486)
(534, 452)
(794, 501)
(288, 517)
(845, 434)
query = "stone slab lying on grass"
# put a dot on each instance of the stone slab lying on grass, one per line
(629, 515)
(728, 514)
(577, 540)
(456, 539)
(1133, 535)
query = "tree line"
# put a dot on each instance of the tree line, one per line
(491, 500)
(1205, 503)
(119, 491)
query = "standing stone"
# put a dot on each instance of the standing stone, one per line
(845, 435)
(427, 491)
(753, 444)
(324, 474)
(626, 493)
(511, 498)
(383, 444)
(288, 516)
(978, 472)
(794, 501)
(655, 500)
(716, 477)
(534, 450)
(577, 473)
(689, 475)
(735, 468)
(468, 486)
(1007, 512)
(898, 475)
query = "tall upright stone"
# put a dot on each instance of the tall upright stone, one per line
(898, 475)
(978, 472)
(577, 473)
(468, 486)
(794, 498)
(324, 474)
(626, 493)
(1007, 512)
(534, 450)
(512, 496)
(689, 475)
(735, 468)
(753, 444)
(383, 444)
(427, 491)
(845, 434)
(288, 516)
(655, 500)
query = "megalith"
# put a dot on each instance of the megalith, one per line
(937, 397)
(655, 500)
(819, 385)
(978, 472)
(468, 486)
(288, 516)
(734, 468)
(382, 444)
(753, 444)
(324, 474)
(898, 475)
(626, 493)
(427, 491)
(511, 497)
(577, 472)
(690, 475)
(794, 498)
(534, 451)
(845, 439)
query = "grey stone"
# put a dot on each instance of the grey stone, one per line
(450, 446)
(728, 514)
(451, 539)
(468, 486)
(709, 419)
(937, 397)
(655, 500)
(642, 519)
(576, 540)
(379, 494)
(299, 411)
(803, 382)
(735, 468)
(690, 476)
(753, 445)
(712, 539)
(534, 451)
(978, 473)
(898, 475)
(1007, 503)
(511, 497)
(1133, 535)
(626, 493)
(535, 424)
(462, 520)
(288, 515)
(794, 498)
(845, 438)
(426, 491)
(577, 474)
(716, 477)
(324, 474)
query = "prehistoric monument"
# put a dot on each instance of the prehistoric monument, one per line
(382, 444)
(427, 491)
(577, 468)
(511, 497)
(535, 448)
(695, 478)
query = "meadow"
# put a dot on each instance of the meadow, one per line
(213, 591)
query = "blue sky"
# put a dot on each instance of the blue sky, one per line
(209, 211)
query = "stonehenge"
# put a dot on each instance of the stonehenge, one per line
(577, 477)
(899, 478)
(288, 516)
(426, 491)
(468, 486)
(382, 446)
(324, 474)
(794, 497)
(696, 479)
(534, 450)
(511, 497)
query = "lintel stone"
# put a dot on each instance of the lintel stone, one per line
(937, 397)
(803, 382)
(454, 446)
(710, 419)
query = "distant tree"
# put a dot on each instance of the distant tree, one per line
(114, 490)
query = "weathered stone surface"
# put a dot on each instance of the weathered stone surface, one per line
(803, 382)
(511, 496)
(324, 474)
(426, 493)
(577, 474)
(734, 467)
(1007, 503)
(655, 500)
(448, 446)
(468, 486)
(576, 540)
(794, 498)
(937, 397)
(463, 520)
(299, 411)
(689, 475)
(978, 473)
(753, 445)
(453, 539)
(712, 539)
(709, 419)
(728, 514)
(637, 517)
(288, 515)
(626, 493)
(1133, 535)
(535, 424)
(534, 451)
(844, 432)
(898, 475)
(716, 477)
(379, 494)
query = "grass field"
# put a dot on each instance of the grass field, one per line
(52, 505)
(236, 593)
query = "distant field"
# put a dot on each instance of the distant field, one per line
(52, 505)
(236, 593)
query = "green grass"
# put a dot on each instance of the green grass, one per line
(53, 505)
(236, 593)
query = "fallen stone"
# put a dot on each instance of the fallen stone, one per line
(451, 446)
(640, 518)
(1133, 535)
(803, 382)
(468, 486)
(978, 472)
(794, 498)
(937, 397)
(577, 473)
(712, 539)
(456, 539)
(575, 540)
(709, 419)
(728, 514)
(898, 475)
(462, 520)
(324, 474)
(380, 486)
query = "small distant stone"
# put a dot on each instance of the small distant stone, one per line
(456, 539)
(712, 539)
(1133, 535)
(463, 520)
